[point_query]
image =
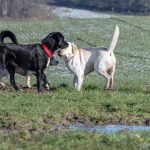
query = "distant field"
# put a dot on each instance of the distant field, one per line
(28, 120)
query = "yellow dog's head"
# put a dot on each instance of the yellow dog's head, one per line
(69, 52)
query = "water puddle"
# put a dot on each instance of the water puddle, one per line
(108, 128)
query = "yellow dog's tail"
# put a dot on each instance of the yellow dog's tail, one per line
(114, 39)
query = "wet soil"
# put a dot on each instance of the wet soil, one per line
(33, 89)
(71, 121)
(71, 118)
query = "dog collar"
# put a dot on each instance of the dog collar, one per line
(47, 51)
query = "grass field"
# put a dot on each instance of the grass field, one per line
(28, 120)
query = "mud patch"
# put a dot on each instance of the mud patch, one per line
(33, 89)
(73, 121)
(147, 86)
(8, 125)
(70, 118)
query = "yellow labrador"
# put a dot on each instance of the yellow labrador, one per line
(83, 61)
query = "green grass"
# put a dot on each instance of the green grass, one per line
(27, 119)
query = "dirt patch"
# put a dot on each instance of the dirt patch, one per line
(9, 88)
(145, 86)
(72, 118)
(33, 89)
(8, 126)
(50, 124)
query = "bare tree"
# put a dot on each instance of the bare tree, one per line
(1, 8)
(10, 7)
(16, 8)
(24, 6)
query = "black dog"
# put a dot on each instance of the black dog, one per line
(31, 57)
(24, 72)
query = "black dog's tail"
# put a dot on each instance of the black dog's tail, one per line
(8, 34)
(3, 35)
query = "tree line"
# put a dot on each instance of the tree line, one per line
(20, 8)
(127, 6)
(16, 8)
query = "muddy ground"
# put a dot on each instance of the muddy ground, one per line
(9, 88)
(33, 89)
(68, 118)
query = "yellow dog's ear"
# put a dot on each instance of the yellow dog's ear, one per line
(74, 48)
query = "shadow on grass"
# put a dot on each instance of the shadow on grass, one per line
(91, 87)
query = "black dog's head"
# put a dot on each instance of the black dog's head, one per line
(54, 41)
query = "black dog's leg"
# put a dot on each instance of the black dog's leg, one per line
(3, 58)
(46, 84)
(11, 70)
(39, 80)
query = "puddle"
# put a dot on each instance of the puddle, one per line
(108, 128)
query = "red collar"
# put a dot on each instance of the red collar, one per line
(46, 50)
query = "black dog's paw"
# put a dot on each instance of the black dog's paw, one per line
(53, 62)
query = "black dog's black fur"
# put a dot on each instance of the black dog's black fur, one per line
(3, 35)
(30, 57)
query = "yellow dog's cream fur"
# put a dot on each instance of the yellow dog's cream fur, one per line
(83, 61)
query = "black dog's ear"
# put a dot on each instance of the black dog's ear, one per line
(60, 41)
(45, 40)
